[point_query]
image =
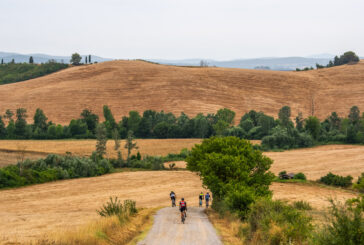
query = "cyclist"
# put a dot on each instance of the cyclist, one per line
(183, 208)
(207, 199)
(172, 195)
(200, 198)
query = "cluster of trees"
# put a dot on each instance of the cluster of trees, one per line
(77, 58)
(346, 58)
(53, 167)
(310, 131)
(280, 133)
(16, 72)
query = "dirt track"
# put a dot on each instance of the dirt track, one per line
(26, 213)
(168, 229)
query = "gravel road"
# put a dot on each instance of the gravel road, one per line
(168, 229)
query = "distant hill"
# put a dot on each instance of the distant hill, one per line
(137, 85)
(43, 58)
(274, 63)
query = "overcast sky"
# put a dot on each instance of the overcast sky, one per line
(179, 29)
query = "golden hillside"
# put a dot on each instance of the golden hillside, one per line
(138, 85)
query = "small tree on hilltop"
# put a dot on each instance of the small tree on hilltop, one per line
(130, 145)
(31, 61)
(75, 59)
(101, 140)
(235, 173)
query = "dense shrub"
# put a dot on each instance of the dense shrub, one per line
(53, 167)
(300, 176)
(115, 207)
(302, 205)
(337, 180)
(359, 185)
(275, 222)
(345, 225)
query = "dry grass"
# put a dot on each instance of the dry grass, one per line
(29, 212)
(39, 148)
(109, 230)
(318, 161)
(63, 95)
(227, 227)
(12, 157)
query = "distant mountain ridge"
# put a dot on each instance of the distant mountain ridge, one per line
(43, 58)
(274, 63)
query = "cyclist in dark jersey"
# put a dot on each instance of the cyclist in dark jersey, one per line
(173, 198)
(183, 206)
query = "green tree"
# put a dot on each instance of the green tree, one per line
(220, 127)
(20, 123)
(235, 173)
(226, 115)
(78, 128)
(349, 57)
(2, 61)
(334, 121)
(134, 121)
(89, 59)
(90, 119)
(313, 126)
(299, 122)
(10, 130)
(2, 128)
(284, 116)
(130, 145)
(75, 59)
(9, 115)
(31, 61)
(40, 120)
(354, 115)
(201, 126)
(101, 140)
(85, 59)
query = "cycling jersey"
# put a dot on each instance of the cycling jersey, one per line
(201, 197)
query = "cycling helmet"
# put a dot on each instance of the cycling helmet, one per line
(183, 199)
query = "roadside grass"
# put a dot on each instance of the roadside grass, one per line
(105, 230)
(228, 227)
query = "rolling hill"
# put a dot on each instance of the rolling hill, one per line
(139, 85)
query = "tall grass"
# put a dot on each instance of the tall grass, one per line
(109, 229)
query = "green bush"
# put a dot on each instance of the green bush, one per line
(336, 180)
(345, 225)
(299, 176)
(53, 167)
(359, 185)
(302, 205)
(275, 222)
(115, 207)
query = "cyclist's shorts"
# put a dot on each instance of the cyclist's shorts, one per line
(182, 209)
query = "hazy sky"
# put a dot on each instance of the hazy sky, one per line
(178, 29)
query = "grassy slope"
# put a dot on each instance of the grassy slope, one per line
(137, 85)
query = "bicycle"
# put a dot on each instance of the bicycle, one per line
(173, 202)
(183, 216)
(200, 203)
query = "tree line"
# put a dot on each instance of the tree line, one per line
(346, 58)
(16, 72)
(280, 133)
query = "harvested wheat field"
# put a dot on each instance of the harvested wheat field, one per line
(138, 85)
(318, 161)
(152, 147)
(27, 213)
(11, 157)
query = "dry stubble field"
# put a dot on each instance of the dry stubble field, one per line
(27, 213)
